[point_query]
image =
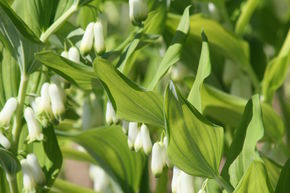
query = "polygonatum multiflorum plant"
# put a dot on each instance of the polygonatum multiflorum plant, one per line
(159, 96)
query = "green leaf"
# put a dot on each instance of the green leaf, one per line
(276, 71)
(130, 101)
(9, 162)
(195, 144)
(204, 69)
(172, 54)
(283, 183)
(49, 155)
(243, 148)
(79, 73)
(255, 180)
(108, 146)
(273, 170)
(221, 41)
(228, 110)
(61, 186)
(18, 38)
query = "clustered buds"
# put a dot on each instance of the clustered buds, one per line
(100, 178)
(7, 112)
(94, 36)
(73, 54)
(139, 138)
(111, 116)
(138, 11)
(181, 182)
(32, 173)
(57, 98)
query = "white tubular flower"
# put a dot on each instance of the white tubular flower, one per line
(29, 183)
(34, 128)
(185, 183)
(99, 43)
(36, 170)
(132, 134)
(4, 141)
(57, 100)
(7, 112)
(64, 54)
(42, 106)
(175, 179)
(158, 158)
(138, 142)
(125, 125)
(73, 54)
(138, 11)
(100, 178)
(88, 39)
(146, 140)
(111, 116)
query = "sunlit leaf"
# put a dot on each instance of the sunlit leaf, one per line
(195, 144)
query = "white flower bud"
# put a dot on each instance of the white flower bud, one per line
(7, 112)
(64, 54)
(29, 183)
(137, 11)
(158, 159)
(88, 39)
(34, 128)
(185, 183)
(175, 179)
(99, 43)
(4, 141)
(125, 125)
(146, 140)
(57, 101)
(42, 107)
(73, 54)
(110, 114)
(132, 134)
(100, 178)
(201, 191)
(178, 72)
(36, 170)
(138, 142)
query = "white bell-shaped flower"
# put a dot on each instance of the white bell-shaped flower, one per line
(29, 183)
(57, 100)
(4, 141)
(111, 116)
(132, 134)
(88, 39)
(99, 43)
(185, 183)
(73, 54)
(34, 128)
(201, 191)
(175, 179)
(100, 178)
(138, 142)
(158, 158)
(64, 54)
(42, 107)
(36, 170)
(7, 112)
(138, 11)
(146, 140)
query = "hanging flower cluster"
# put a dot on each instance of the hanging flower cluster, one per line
(32, 173)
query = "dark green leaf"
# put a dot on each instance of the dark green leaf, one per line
(9, 162)
(283, 183)
(195, 144)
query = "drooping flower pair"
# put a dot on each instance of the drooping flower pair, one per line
(72, 54)
(94, 36)
(100, 178)
(181, 182)
(32, 173)
(139, 138)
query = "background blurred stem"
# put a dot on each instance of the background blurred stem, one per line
(221, 181)
(17, 124)
(12, 181)
(247, 11)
